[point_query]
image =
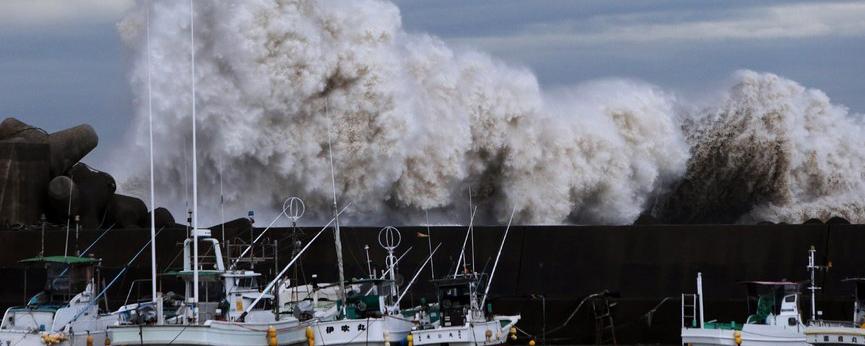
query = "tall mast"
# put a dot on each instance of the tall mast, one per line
(336, 236)
(152, 189)
(812, 269)
(194, 169)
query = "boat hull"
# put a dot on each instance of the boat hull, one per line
(370, 331)
(835, 336)
(25, 338)
(751, 335)
(212, 333)
(475, 333)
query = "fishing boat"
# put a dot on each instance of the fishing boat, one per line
(776, 319)
(232, 311)
(823, 332)
(368, 319)
(371, 313)
(461, 318)
(65, 312)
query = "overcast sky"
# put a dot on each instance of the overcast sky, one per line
(62, 63)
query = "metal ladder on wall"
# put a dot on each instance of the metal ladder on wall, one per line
(605, 328)
(689, 310)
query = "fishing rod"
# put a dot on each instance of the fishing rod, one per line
(496, 263)
(405, 290)
(465, 241)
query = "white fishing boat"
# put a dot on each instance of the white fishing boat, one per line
(369, 318)
(371, 314)
(232, 311)
(461, 318)
(65, 313)
(223, 315)
(776, 319)
(823, 332)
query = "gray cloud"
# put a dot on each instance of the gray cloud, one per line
(786, 21)
(30, 13)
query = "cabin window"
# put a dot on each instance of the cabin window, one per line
(825, 338)
(248, 283)
(791, 321)
(840, 339)
(790, 299)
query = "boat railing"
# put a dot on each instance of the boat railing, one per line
(829, 323)
(135, 284)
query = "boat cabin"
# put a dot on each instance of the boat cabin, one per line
(223, 294)
(458, 299)
(69, 286)
(370, 298)
(774, 303)
(242, 289)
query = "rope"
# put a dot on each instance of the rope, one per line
(178, 334)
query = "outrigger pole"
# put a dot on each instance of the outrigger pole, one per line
(105, 289)
(432, 267)
(245, 251)
(336, 236)
(405, 290)
(465, 241)
(65, 270)
(287, 266)
(496, 263)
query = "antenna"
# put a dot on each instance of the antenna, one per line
(368, 261)
(812, 269)
(194, 169)
(336, 236)
(389, 238)
(68, 217)
(42, 251)
(77, 227)
(152, 189)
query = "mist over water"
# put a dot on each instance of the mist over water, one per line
(415, 124)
